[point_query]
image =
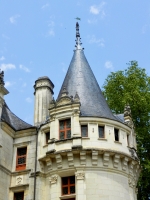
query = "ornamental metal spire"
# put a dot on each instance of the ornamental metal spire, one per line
(1, 77)
(78, 42)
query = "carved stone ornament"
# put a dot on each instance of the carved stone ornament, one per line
(132, 182)
(53, 179)
(127, 111)
(19, 180)
(80, 175)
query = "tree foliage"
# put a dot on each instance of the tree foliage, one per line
(132, 86)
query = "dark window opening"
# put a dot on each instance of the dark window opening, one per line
(47, 134)
(116, 133)
(65, 129)
(84, 130)
(68, 185)
(19, 196)
(21, 158)
(101, 131)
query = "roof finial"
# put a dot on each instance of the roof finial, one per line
(1, 77)
(78, 42)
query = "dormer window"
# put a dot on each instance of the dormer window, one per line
(65, 129)
(116, 134)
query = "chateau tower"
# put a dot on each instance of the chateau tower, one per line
(91, 153)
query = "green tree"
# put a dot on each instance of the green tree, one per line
(132, 86)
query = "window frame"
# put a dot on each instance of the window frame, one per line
(103, 132)
(15, 193)
(116, 129)
(21, 166)
(47, 137)
(68, 186)
(86, 131)
(65, 129)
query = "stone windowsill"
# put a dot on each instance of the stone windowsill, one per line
(117, 142)
(85, 138)
(21, 186)
(26, 171)
(104, 139)
(68, 196)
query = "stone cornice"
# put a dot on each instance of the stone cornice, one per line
(5, 127)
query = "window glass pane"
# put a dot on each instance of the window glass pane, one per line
(72, 189)
(21, 160)
(68, 123)
(62, 135)
(21, 151)
(65, 190)
(69, 134)
(84, 131)
(65, 181)
(101, 131)
(72, 179)
(61, 125)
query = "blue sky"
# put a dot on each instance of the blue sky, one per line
(37, 38)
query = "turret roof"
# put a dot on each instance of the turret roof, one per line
(81, 80)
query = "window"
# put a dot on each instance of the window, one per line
(68, 185)
(21, 158)
(116, 134)
(65, 129)
(47, 135)
(84, 130)
(101, 131)
(19, 196)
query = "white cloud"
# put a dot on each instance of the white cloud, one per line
(45, 6)
(7, 84)
(13, 19)
(24, 68)
(109, 65)
(51, 25)
(2, 58)
(29, 100)
(98, 9)
(5, 67)
(51, 32)
(94, 40)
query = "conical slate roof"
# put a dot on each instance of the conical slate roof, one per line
(81, 80)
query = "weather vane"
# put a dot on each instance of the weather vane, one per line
(77, 18)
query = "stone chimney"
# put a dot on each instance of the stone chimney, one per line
(43, 96)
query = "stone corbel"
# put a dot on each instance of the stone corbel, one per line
(116, 160)
(106, 159)
(59, 161)
(94, 158)
(52, 118)
(131, 181)
(70, 159)
(124, 163)
(53, 179)
(49, 164)
(83, 157)
(80, 175)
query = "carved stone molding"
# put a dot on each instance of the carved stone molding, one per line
(53, 179)
(70, 159)
(116, 160)
(132, 181)
(124, 163)
(19, 180)
(80, 175)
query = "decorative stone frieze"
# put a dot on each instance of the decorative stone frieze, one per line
(106, 159)
(80, 175)
(132, 181)
(58, 161)
(116, 160)
(19, 180)
(49, 164)
(94, 158)
(53, 179)
(70, 159)
(83, 157)
(124, 163)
